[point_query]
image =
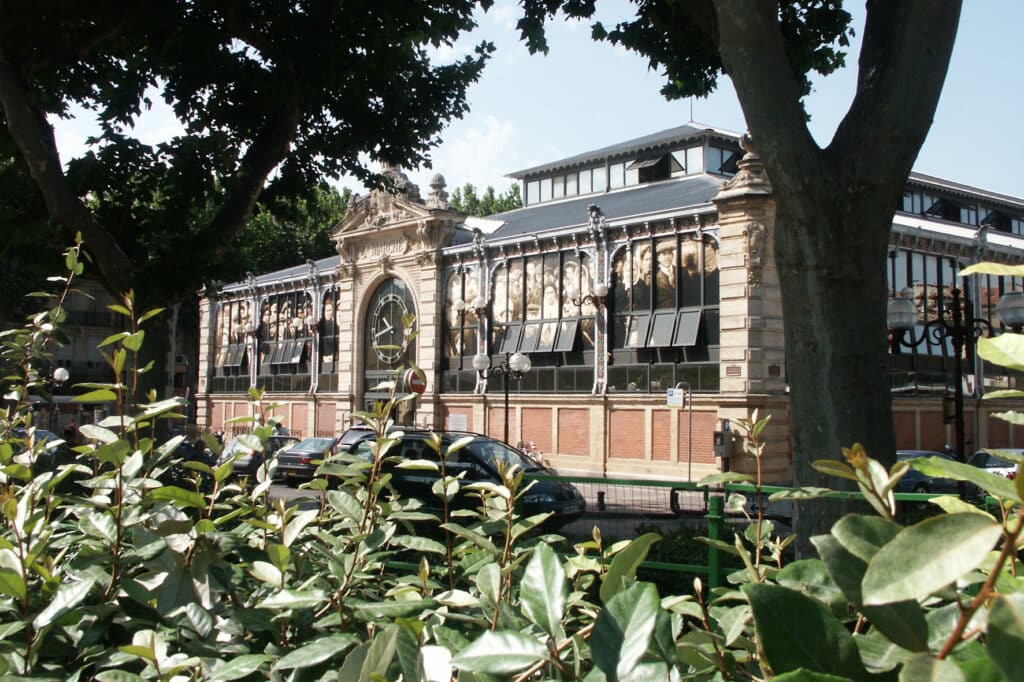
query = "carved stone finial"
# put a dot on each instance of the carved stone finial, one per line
(438, 197)
(750, 178)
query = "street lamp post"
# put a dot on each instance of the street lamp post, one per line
(514, 367)
(962, 331)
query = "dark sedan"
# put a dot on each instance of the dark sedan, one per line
(299, 463)
(916, 482)
(480, 461)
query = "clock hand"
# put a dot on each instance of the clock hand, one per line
(382, 332)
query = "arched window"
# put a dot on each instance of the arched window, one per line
(390, 307)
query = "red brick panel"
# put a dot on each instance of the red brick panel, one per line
(574, 432)
(626, 432)
(661, 435)
(300, 418)
(217, 416)
(496, 423)
(906, 434)
(933, 431)
(702, 445)
(998, 435)
(325, 418)
(537, 427)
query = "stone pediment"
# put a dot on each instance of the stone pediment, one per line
(385, 226)
(379, 210)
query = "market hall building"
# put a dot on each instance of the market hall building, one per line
(630, 270)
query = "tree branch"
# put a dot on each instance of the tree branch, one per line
(34, 137)
(903, 62)
(268, 149)
(754, 57)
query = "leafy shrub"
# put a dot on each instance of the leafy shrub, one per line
(125, 578)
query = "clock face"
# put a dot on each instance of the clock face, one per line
(386, 330)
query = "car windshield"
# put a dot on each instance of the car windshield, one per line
(314, 445)
(498, 454)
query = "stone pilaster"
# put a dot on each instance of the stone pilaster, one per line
(752, 343)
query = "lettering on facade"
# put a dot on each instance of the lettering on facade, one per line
(381, 249)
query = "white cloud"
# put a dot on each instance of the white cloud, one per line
(479, 154)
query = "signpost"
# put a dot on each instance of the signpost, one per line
(415, 380)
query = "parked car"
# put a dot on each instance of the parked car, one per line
(299, 462)
(479, 460)
(1000, 461)
(250, 460)
(916, 482)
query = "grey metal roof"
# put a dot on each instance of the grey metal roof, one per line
(658, 197)
(663, 138)
(323, 265)
(965, 190)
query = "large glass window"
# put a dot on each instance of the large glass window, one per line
(537, 307)
(328, 380)
(284, 341)
(232, 328)
(664, 304)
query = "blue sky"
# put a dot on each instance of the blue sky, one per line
(530, 109)
(583, 95)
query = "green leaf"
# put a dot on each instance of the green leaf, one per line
(1006, 634)
(804, 493)
(623, 629)
(833, 467)
(1005, 393)
(798, 632)
(994, 485)
(418, 543)
(902, 622)
(239, 667)
(150, 313)
(392, 609)
(279, 555)
(200, 618)
(928, 556)
(500, 652)
(298, 524)
(68, 597)
(811, 577)
(266, 572)
(93, 432)
(878, 653)
(184, 498)
(102, 395)
(316, 652)
(99, 525)
(863, 536)
(381, 653)
(1016, 418)
(544, 590)
(726, 477)
(293, 599)
(1005, 350)
(623, 569)
(926, 668)
(345, 504)
(133, 342)
(12, 584)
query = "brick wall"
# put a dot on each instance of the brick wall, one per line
(661, 435)
(998, 435)
(906, 434)
(326, 414)
(933, 431)
(703, 443)
(537, 427)
(626, 433)
(496, 423)
(574, 432)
